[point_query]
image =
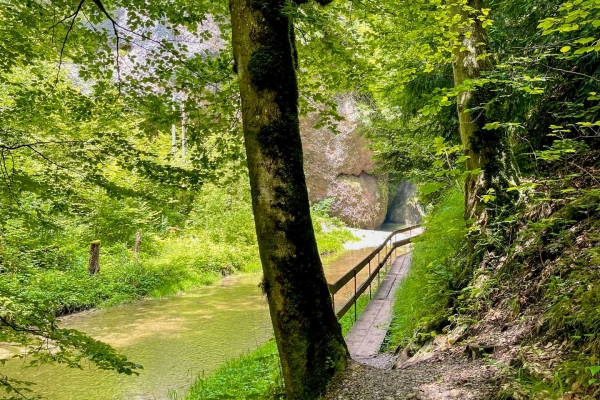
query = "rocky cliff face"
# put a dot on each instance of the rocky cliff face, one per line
(404, 207)
(339, 166)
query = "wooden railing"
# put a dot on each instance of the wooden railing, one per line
(390, 245)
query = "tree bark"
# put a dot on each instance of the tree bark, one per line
(174, 140)
(486, 149)
(94, 263)
(309, 337)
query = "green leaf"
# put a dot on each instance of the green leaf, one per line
(492, 125)
(585, 40)
(431, 187)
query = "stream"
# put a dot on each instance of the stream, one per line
(175, 338)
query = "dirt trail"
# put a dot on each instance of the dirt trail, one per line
(439, 377)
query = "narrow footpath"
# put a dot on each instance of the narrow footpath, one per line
(439, 371)
(368, 333)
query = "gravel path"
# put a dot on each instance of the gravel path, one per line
(441, 377)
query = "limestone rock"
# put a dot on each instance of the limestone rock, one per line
(339, 165)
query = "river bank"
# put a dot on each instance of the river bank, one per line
(176, 337)
(257, 374)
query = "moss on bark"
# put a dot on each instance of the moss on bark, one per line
(487, 150)
(308, 334)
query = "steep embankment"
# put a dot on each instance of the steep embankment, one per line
(524, 325)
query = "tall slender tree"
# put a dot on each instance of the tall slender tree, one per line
(485, 148)
(309, 337)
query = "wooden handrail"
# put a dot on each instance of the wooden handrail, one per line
(352, 273)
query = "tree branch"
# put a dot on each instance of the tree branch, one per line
(22, 145)
(573, 72)
(62, 48)
(147, 37)
(99, 4)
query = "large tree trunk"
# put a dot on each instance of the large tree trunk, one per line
(308, 335)
(486, 149)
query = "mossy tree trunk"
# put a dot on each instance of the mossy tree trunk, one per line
(308, 335)
(94, 262)
(486, 149)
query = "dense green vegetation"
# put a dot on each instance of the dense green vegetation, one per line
(531, 257)
(89, 93)
(217, 239)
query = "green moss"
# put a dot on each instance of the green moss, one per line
(265, 65)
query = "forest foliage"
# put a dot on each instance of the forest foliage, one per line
(86, 156)
(89, 91)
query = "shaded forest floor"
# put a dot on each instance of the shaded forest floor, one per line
(441, 376)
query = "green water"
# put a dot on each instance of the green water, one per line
(175, 338)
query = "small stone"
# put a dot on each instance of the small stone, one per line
(455, 393)
(411, 396)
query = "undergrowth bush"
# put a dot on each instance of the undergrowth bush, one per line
(559, 283)
(423, 298)
(216, 239)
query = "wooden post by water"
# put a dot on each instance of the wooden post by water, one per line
(94, 265)
(136, 245)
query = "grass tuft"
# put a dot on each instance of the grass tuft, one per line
(252, 376)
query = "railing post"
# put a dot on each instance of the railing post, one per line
(370, 295)
(355, 295)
